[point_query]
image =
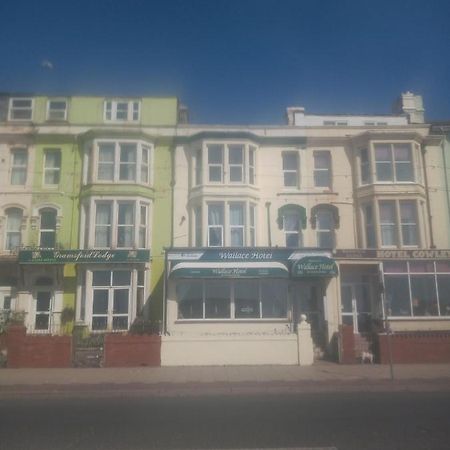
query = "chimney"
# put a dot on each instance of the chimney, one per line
(295, 115)
(412, 106)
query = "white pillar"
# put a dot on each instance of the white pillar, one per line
(305, 343)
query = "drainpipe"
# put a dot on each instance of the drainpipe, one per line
(427, 195)
(269, 233)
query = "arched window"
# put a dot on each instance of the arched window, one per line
(325, 220)
(13, 237)
(292, 220)
(47, 228)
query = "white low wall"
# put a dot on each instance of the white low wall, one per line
(229, 350)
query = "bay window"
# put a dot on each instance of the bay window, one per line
(119, 224)
(365, 166)
(123, 162)
(393, 162)
(417, 288)
(232, 299)
(229, 224)
(398, 223)
(226, 163)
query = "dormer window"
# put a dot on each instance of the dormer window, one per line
(57, 110)
(122, 111)
(21, 109)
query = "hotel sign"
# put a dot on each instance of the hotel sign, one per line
(77, 256)
(392, 254)
(314, 266)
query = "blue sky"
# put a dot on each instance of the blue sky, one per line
(235, 61)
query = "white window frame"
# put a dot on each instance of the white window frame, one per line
(287, 171)
(48, 230)
(328, 231)
(113, 233)
(12, 109)
(394, 163)
(141, 147)
(248, 167)
(18, 167)
(328, 169)
(55, 170)
(398, 223)
(50, 111)
(8, 232)
(111, 110)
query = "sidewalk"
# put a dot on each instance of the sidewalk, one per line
(322, 376)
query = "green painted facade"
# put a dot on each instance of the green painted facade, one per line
(89, 110)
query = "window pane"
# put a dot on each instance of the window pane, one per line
(120, 323)
(403, 162)
(217, 299)
(290, 179)
(106, 161)
(120, 301)
(48, 219)
(397, 295)
(291, 221)
(388, 223)
(43, 301)
(42, 322)
(246, 299)
(101, 278)
(408, 222)
(321, 160)
(121, 278)
(292, 240)
(444, 294)
(48, 239)
(395, 267)
(215, 173)
(190, 300)
(100, 301)
(127, 162)
(99, 323)
(421, 267)
(274, 298)
(215, 154)
(424, 299)
(235, 154)
(290, 161)
(236, 173)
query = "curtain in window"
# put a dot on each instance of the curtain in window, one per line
(125, 225)
(103, 225)
(19, 167)
(127, 162)
(388, 223)
(215, 225)
(409, 226)
(106, 161)
(237, 225)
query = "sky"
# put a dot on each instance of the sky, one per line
(233, 61)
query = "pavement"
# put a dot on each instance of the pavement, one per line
(321, 376)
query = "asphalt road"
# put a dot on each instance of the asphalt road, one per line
(347, 421)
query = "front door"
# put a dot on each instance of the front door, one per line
(356, 306)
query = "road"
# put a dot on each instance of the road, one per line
(345, 420)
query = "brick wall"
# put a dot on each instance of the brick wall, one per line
(416, 347)
(130, 350)
(37, 351)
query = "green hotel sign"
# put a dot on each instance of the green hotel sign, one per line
(314, 266)
(37, 256)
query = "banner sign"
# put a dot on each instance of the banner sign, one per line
(392, 254)
(77, 256)
(314, 266)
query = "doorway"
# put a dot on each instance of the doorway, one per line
(356, 306)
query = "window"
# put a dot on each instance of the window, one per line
(369, 226)
(19, 164)
(123, 162)
(325, 220)
(121, 224)
(322, 169)
(122, 111)
(52, 166)
(417, 288)
(231, 224)
(57, 109)
(404, 230)
(292, 230)
(290, 169)
(232, 299)
(215, 225)
(215, 163)
(228, 163)
(47, 228)
(14, 217)
(20, 109)
(365, 166)
(393, 162)
(110, 299)
(44, 300)
(325, 229)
